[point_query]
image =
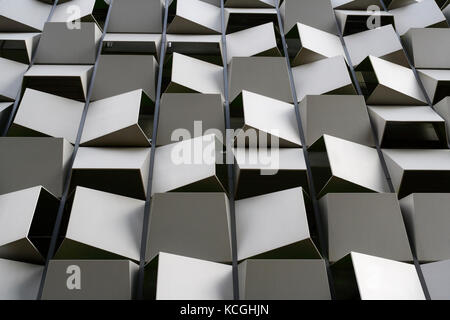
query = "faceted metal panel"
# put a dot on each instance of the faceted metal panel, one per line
(183, 110)
(327, 76)
(11, 79)
(27, 217)
(27, 162)
(190, 224)
(114, 230)
(64, 11)
(68, 81)
(118, 74)
(365, 277)
(132, 43)
(23, 16)
(65, 116)
(428, 47)
(342, 116)
(381, 42)
(203, 47)
(19, 46)
(272, 117)
(136, 16)
(188, 74)
(194, 17)
(353, 21)
(317, 14)
(437, 279)
(369, 223)
(261, 171)
(340, 165)
(283, 280)
(307, 44)
(19, 280)
(60, 45)
(387, 83)
(238, 19)
(256, 41)
(175, 277)
(414, 126)
(411, 16)
(175, 170)
(414, 170)
(264, 75)
(121, 171)
(90, 280)
(436, 82)
(427, 221)
(259, 219)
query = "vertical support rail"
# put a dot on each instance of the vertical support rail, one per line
(66, 189)
(230, 166)
(312, 190)
(19, 94)
(145, 227)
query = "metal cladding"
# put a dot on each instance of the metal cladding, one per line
(307, 44)
(193, 224)
(340, 165)
(426, 220)
(118, 218)
(102, 279)
(342, 116)
(365, 277)
(224, 149)
(32, 161)
(27, 216)
(174, 277)
(20, 280)
(437, 278)
(381, 42)
(299, 279)
(327, 76)
(368, 223)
